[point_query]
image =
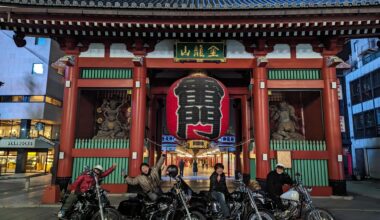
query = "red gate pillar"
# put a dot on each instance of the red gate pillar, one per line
(138, 116)
(152, 129)
(67, 135)
(246, 134)
(261, 120)
(332, 127)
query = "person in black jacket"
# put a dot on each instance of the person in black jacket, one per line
(275, 180)
(218, 188)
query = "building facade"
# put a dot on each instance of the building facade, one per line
(30, 104)
(362, 89)
(277, 60)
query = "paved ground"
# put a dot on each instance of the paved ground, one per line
(16, 203)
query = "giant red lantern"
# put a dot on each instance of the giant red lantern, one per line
(197, 108)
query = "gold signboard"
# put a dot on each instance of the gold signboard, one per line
(200, 51)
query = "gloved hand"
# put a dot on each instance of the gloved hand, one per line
(114, 165)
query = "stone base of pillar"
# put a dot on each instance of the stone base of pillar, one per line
(63, 182)
(338, 187)
(51, 195)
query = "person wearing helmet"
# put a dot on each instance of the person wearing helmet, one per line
(218, 188)
(149, 179)
(275, 180)
(83, 183)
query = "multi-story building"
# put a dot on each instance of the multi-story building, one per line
(30, 104)
(362, 87)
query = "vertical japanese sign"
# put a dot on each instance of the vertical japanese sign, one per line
(200, 51)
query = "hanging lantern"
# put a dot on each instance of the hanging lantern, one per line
(197, 108)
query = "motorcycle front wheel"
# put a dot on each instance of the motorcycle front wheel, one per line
(195, 215)
(265, 215)
(108, 214)
(318, 214)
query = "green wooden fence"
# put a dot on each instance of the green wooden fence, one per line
(101, 143)
(114, 178)
(298, 145)
(314, 172)
(294, 74)
(87, 73)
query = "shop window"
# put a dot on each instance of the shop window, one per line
(38, 68)
(53, 101)
(370, 124)
(40, 41)
(18, 98)
(355, 91)
(377, 112)
(36, 98)
(359, 125)
(10, 128)
(8, 161)
(366, 86)
(36, 162)
(47, 131)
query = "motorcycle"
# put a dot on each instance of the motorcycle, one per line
(242, 203)
(93, 204)
(172, 205)
(298, 203)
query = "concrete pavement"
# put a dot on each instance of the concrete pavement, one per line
(16, 203)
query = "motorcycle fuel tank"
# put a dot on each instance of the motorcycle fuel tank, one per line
(291, 195)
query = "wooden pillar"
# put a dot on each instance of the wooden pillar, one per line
(332, 127)
(245, 111)
(69, 112)
(152, 129)
(261, 122)
(238, 134)
(138, 116)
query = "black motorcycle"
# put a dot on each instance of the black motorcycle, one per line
(242, 204)
(298, 204)
(92, 205)
(172, 205)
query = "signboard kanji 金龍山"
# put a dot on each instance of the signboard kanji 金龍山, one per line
(200, 51)
(197, 108)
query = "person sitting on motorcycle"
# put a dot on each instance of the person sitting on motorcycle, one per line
(218, 188)
(275, 180)
(83, 183)
(149, 179)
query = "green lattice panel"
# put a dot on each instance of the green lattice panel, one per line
(87, 73)
(101, 143)
(114, 178)
(294, 74)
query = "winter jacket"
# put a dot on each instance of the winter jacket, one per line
(150, 182)
(219, 186)
(275, 182)
(85, 181)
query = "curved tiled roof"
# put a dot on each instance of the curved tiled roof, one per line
(194, 4)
